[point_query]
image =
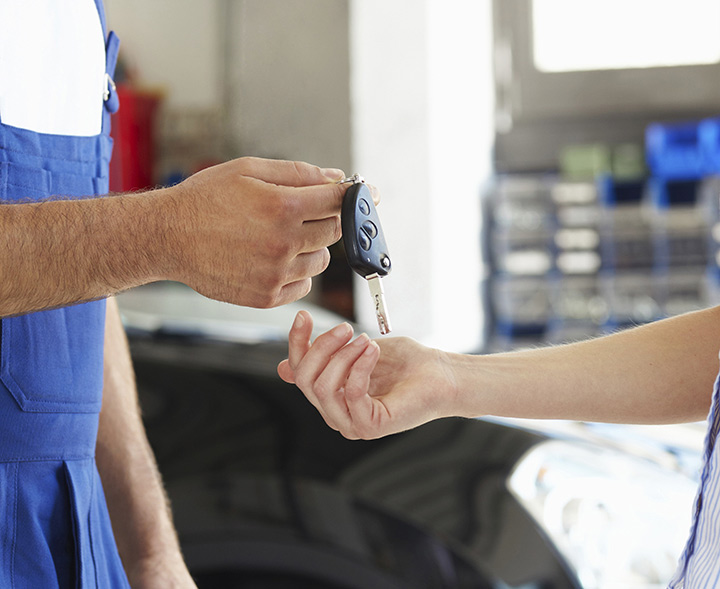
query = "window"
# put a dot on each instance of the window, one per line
(598, 72)
(617, 34)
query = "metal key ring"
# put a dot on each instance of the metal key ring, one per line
(354, 179)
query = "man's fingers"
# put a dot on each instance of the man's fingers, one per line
(308, 265)
(287, 173)
(319, 201)
(322, 202)
(316, 235)
(295, 283)
(375, 194)
(318, 193)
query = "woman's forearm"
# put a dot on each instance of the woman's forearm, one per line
(657, 373)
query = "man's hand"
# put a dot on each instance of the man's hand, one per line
(250, 231)
(253, 232)
(364, 389)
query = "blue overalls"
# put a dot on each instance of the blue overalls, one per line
(54, 526)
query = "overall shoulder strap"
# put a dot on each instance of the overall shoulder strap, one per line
(112, 46)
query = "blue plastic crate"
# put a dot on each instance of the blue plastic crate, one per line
(688, 150)
(709, 131)
(674, 150)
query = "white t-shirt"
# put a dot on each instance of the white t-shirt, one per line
(52, 66)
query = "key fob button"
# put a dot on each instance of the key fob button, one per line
(364, 241)
(370, 228)
(364, 206)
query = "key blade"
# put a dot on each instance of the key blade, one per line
(378, 296)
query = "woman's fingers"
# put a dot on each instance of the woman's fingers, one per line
(309, 360)
(299, 338)
(334, 373)
(364, 411)
(330, 383)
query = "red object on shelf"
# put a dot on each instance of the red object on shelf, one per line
(133, 132)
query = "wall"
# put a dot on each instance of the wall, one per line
(422, 132)
(290, 79)
(277, 70)
(172, 44)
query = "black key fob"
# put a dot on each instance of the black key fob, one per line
(363, 237)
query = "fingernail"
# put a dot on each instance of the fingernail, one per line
(299, 321)
(371, 349)
(362, 339)
(342, 330)
(333, 174)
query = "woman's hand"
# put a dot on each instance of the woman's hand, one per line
(367, 389)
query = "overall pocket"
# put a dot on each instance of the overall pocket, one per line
(52, 361)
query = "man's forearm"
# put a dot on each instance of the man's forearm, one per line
(60, 252)
(658, 373)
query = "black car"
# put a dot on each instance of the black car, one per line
(266, 496)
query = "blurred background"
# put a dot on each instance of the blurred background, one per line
(549, 171)
(535, 186)
(399, 92)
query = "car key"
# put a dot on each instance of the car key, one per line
(365, 245)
